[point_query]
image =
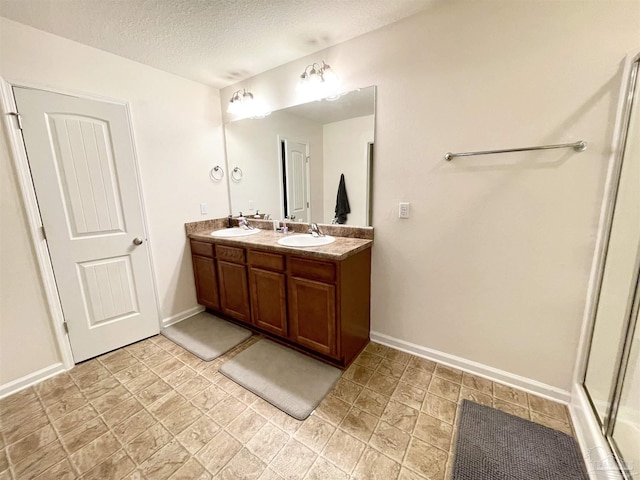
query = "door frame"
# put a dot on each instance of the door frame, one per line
(281, 171)
(18, 154)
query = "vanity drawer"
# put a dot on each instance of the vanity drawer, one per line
(313, 269)
(230, 254)
(203, 249)
(269, 261)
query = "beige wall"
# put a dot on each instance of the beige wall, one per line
(178, 135)
(493, 265)
(345, 151)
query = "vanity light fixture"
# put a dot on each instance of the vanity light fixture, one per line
(241, 102)
(318, 81)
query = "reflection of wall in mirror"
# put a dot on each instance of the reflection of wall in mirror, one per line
(253, 146)
(345, 148)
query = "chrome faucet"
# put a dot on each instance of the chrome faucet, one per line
(244, 223)
(314, 230)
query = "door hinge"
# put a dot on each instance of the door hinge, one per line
(18, 119)
(307, 204)
(44, 232)
(66, 327)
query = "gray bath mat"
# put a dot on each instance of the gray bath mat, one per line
(493, 445)
(289, 380)
(206, 336)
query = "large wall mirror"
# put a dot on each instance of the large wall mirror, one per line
(289, 164)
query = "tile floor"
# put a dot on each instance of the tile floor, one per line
(154, 411)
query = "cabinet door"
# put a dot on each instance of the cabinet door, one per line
(234, 292)
(312, 314)
(204, 271)
(268, 300)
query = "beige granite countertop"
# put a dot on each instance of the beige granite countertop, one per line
(342, 248)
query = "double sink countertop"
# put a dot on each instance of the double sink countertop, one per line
(349, 240)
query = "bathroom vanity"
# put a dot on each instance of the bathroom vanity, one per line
(315, 299)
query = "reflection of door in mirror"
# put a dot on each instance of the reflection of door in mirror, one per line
(611, 376)
(295, 181)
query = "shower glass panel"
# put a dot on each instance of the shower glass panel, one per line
(620, 271)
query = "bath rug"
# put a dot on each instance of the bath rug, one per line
(206, 336)
(493, 445)
(289, 380)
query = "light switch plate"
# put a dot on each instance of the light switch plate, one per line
(403, 210)
(203, 209)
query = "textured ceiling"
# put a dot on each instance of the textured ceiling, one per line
(216, 42)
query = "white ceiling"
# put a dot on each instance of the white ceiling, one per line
(216, 42)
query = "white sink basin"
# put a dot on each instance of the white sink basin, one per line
(306, 240)
(234, 232)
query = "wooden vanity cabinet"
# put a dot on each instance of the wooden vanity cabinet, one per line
(204, 270)
(232, 280)
(320, 306)
(268, 291)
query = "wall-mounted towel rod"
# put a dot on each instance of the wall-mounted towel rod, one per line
(577, 146)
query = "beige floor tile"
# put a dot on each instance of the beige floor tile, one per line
(382, 384)
(510, 394)
(264, 408)
(39, 461)
(121, 360)
(113, 468)
(371, 402)
(332, 409)
(398, 356)
(294, 460)
(359, 423)
(132, 373)
(452, 374)
(60, 471)
(322, 469)
(227, 410)
(346, 390)
(191, 470)
(476, 396)
(267, 442)
(4, 461)
(358, 374)
(422, 364)
(269, 474)
(285, 422)
(177, 378)
(181, 418)
(426, 459)
(244, 465)
(549, 408)
(91, 377)
(167, 367)
(315, 433)
(408, 394)
(477, 383)
(551, 422)
(85, 433)
(96, 390)
(343, 450)
(400, 415)
(218, 452)
(440, 408)
(375, 466)
(29, 444)
(444, 388)
(434, 431)
(198, 434)
(209, 398)
(158, 358)
(191, 360)
(368, 360)
(95, 453)
(168, 404)
(142, 381)
(162, 464)
(390, 440)
(122, 412)
(66, 405)
(416, 377)
(391, 369)
(153, 392)
(134, 426)
(111, 399)
(148, 442)
(193, 387)
(406, 474)
(376, 349)
(511, 408)
(246, 425)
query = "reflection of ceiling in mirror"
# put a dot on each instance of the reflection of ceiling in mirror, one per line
(357, 103)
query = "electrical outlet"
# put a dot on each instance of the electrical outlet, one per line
(203, 209)
(403, 210)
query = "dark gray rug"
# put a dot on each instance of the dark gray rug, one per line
(493, 445)
(205, 335)
(290, 381)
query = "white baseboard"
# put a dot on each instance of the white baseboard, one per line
(178, 317)
(28, 380)
(598, 457)
(475, 368)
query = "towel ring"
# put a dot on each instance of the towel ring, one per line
(236, 174)
(216, 173)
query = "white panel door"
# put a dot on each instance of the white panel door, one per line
(81, 157)
(297, 181)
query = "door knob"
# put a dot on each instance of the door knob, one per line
(137, 241)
